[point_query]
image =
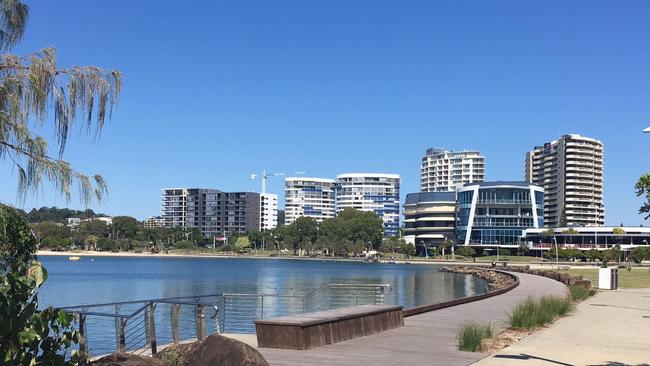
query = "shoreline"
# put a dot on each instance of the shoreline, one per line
(80, 253)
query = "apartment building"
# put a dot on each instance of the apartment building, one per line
(309, 197)
(444, 171)
(268, 211)
(153, 222)
(374, 192)
(215, 212)
(571, 170)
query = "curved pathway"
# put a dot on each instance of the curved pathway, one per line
(425, 339)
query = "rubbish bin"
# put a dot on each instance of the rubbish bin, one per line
(608, 278)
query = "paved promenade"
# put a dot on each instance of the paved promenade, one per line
(612, 328)
(426, 339)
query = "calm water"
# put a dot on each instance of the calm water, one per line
(113, 279)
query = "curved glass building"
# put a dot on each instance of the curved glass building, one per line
(498, 213)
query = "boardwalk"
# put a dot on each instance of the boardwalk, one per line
(426, 339)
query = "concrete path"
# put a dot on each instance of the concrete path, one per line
(611, 328)
(426, 339)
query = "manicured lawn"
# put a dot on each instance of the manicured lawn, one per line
(509, 258)
(637, 278)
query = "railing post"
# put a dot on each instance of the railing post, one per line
(200, 322)
(152, 328)
(117, 327)
(122, 346)
(83, 347)
(175, 334)
(262, 316)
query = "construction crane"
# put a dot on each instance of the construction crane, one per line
(264, 176)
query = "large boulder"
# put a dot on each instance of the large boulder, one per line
(126, 359)
(213, 350)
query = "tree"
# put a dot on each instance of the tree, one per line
(522, 249)
(408, 249)
(642, 187)
(301, 233)
(48, 231)
(466, 251)
(363, 226)
(242, 244)
(185, 244)
(640, 254)
(124, 227)
(33, 90)
(29, 336)
(281, 216)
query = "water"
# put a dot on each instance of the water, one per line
(114, 279)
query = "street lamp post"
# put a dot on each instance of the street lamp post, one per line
(557, 256)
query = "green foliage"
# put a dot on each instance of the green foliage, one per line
(408, 249)
(563, 219)
(185, 244)
(640, 254)
(548, 233)
(124, 227)
(533, 313)
(281, 216)
(522, 249)
(642, 187)
(393, 245)
(570, 231)
(301, 234)
(29, 336)
(466, 251)
(471, 335)
(242, 244)
(105, 245)
(611, 255)
(59, 215)
(579, 293)
(618, 231)
(35, 90)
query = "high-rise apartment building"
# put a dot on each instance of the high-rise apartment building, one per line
(570, 169)
(445, 171)
(309, 197)
(214, 212)
(378, 193)
(268, 211)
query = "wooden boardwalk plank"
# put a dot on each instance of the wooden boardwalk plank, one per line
(425, 339)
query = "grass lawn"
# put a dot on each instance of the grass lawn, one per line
(509, 258)
(637, 278)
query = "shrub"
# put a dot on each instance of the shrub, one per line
(30, 336)
(534, 313)
(579, 293)
(471, 335)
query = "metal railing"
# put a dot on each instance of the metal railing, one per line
(141, 326)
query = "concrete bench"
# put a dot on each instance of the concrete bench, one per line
(305, 331)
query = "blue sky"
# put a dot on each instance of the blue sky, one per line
(215, 91)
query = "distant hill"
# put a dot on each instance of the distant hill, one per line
(55, 214)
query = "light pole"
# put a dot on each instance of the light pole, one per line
(426, 252)
(557, 256)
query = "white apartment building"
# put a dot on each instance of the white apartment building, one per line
(173, 206)
(309, 197)
(375, 192)
(570, 169)
(154, 222)
(268, 211)
(444, 171)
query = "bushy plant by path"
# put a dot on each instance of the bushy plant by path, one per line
(579, 293)
(471, 335)
(534, 313)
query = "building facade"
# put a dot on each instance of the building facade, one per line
(378, 193)
(498, 213)
(268, 211)
(571, 171)
(214, 212)
(445, 171)
(588, 237)
(430, 218)
(153, 222)
(309, 197)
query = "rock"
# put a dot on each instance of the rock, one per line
(213, 350)
(127, 359)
